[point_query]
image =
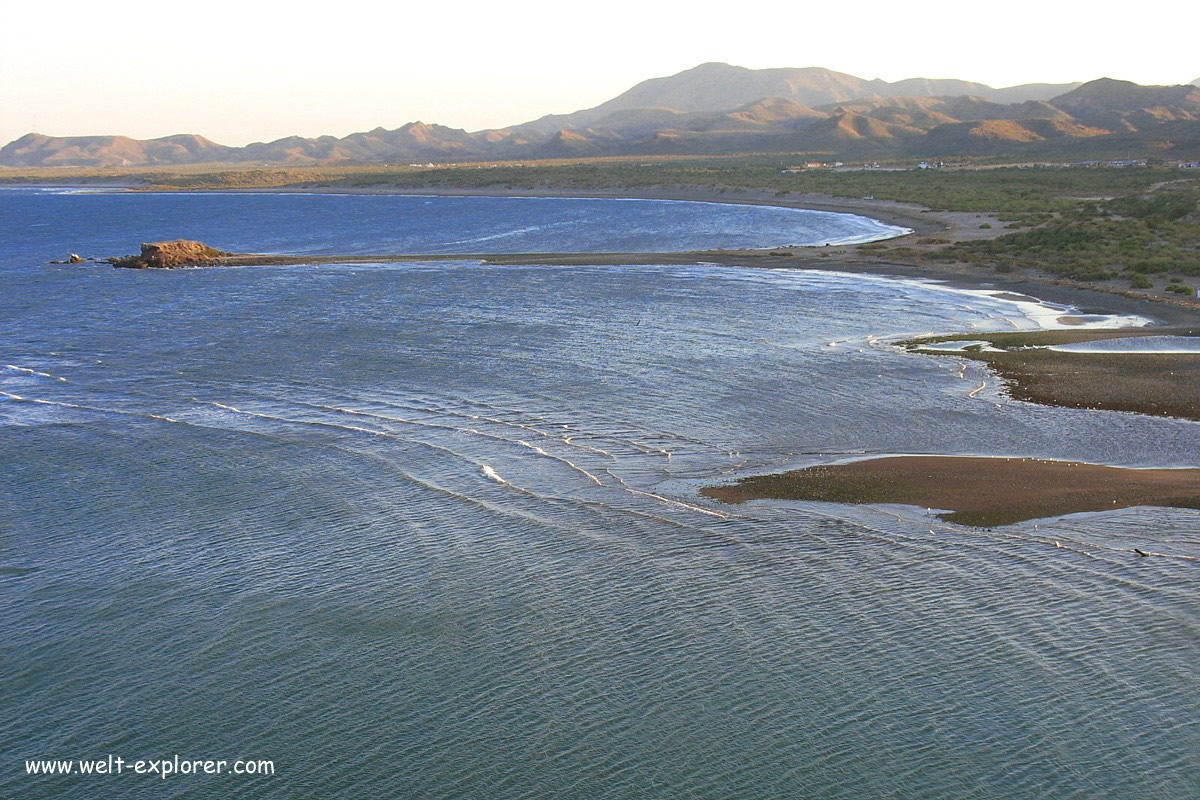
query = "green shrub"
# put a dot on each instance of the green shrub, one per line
(1150, 265)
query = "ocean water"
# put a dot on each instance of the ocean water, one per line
(433, 530)
(314, 224)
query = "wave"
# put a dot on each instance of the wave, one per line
(491, 474)
(510, 234)
(564, 461)
(29, 371)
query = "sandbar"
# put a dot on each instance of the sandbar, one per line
(1158, 384)
(983, 492)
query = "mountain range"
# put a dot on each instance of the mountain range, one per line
(721, 109)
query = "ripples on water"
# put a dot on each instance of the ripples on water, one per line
(1135, 344)
(432, 530)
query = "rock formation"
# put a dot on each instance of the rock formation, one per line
(166, 255)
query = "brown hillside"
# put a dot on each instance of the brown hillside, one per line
(718, 109)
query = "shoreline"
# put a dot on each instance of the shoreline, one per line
(928, 229)
(1159, 384)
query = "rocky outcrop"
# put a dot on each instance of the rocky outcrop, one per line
(167, 255)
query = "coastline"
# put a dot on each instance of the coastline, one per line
(929, 229)
(1161, 384)
(846, 259)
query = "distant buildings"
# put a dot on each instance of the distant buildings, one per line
(1120, 163)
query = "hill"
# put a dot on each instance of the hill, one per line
(721, 109)
(715, 87)
(35, 150)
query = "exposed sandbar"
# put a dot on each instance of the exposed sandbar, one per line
(1159, 384)
(976, 491)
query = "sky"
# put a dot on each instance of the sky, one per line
(238, 72)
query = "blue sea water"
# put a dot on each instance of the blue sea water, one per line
(314, 224)
(433, 530)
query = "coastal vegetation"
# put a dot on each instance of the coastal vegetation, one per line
(1017, 192)
(1151, 230)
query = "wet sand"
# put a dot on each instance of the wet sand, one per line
(1159, 384)
(983, 492)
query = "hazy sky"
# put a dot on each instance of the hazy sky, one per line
(247, 71)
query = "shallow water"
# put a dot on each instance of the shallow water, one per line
(1135, 344)
(433, 530)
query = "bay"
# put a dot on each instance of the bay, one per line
(432, 529)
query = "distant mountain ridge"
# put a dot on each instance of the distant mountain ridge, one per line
(34, 149)
(722, 87)
(720, 109)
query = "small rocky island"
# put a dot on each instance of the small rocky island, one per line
(169, 255)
